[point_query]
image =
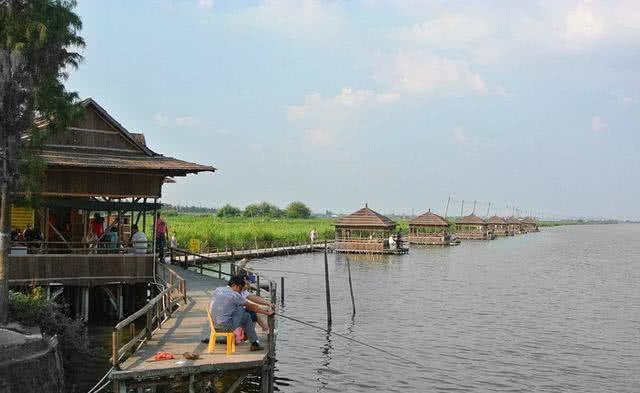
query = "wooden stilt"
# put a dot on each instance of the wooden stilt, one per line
(120, 302)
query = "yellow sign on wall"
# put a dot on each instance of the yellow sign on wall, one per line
(194, 245)
(21, 217)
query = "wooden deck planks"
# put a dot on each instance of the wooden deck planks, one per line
(182, 333)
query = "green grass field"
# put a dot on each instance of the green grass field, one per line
(243, 232)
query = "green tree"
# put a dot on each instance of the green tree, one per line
(38, 43)
(263, 209)
(298, 209)
(228, 211)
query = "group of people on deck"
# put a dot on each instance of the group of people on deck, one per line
(106, 237)
(233, 307)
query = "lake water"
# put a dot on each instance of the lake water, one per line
(555, 311)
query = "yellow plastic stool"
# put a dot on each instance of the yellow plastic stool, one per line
(230, 336)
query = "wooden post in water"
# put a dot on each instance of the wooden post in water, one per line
(353, 302)
(282, 290)
(326, 285)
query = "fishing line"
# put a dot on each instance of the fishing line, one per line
(354, 340)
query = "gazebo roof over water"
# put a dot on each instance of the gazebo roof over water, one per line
(528, 220)
(496, 220)
(429, 219)
(512, 220)
(365, 217)
(471, 219)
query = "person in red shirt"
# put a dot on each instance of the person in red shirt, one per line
(162, 234)
(97, 225)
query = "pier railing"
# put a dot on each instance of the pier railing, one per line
(155, 312)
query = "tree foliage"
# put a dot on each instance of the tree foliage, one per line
(263, 209)
(228, 211)
(298, 209)
(38, 46)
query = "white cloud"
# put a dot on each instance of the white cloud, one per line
(160, 119)
(424, 75)
(205, 4)
(325, 119)
(534, 29)
(304, 19)
(447, 30)
(187, 121)
(460, 136)
(597, 124)
(163, 120)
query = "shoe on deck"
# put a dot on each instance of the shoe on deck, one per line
(256, 347)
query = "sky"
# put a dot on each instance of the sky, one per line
(398, 104)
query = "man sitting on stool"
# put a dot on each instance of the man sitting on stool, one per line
(229, 313)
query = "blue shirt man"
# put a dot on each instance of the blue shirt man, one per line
(228, 310)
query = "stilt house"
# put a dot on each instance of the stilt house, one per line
(99, 180)
(472, 227)
(498, 226)
(429, 228)
(366, 231)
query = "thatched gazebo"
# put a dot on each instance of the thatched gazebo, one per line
(472, 227)
(514, 226)
(429, 228)
(498, 226)
(366, 231)
(529, 224)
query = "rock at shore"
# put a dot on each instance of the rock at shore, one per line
(29, 362)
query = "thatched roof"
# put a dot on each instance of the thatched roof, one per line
(429, 219)
(470, 219)
(496, 220)
(528, 220)
(161, 164)
(512, 220)
(108, 145)
(139, 137)
(365, 217)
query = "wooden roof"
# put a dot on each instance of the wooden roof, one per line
(98, 141)
(496, 220)
(512, 220)
(470, 219)
(528, 220)
(365, 217)
(429, 219)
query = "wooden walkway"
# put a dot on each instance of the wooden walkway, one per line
(179, 255)
(182, 333)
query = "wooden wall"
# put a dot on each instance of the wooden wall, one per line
(92, 183)
(92, 133)
(70, 269)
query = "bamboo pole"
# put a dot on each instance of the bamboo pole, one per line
(353, 302)
(326, 285)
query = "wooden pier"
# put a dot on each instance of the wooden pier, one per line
(177, 326)
(182, 256)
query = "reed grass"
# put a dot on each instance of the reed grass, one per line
(245, 233)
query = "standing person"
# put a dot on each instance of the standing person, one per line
(138, 240)
(114, 244)
(97, 225)
(228, 311)
(162, 234)
(313, 236)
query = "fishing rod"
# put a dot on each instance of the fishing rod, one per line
(352, 339)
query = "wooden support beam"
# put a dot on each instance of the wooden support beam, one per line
(111, 297)
(120, 307)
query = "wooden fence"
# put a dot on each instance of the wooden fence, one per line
(159, 309)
